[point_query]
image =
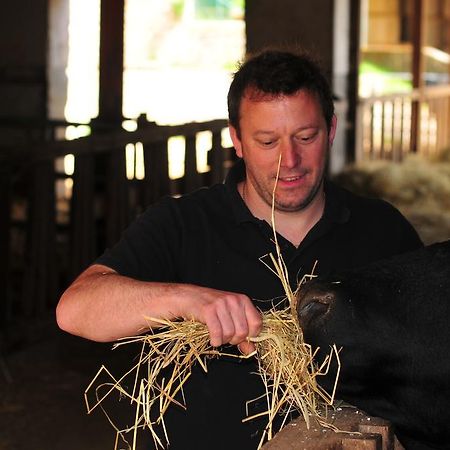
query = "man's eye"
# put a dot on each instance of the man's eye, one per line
(270, 143)
(306, 138)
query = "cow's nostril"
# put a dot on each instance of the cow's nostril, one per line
(311, 312)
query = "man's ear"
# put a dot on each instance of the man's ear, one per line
(237, 144)
(332, 132)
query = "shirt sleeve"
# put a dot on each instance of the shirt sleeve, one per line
(147, 249)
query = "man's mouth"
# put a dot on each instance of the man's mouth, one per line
(293, 178)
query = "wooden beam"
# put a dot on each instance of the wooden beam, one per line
(353, 79)
(111, 60)
(417, 69)
(5, 242)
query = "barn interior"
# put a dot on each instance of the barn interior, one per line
(106, 106)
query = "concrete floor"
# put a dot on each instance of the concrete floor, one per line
(42, 388)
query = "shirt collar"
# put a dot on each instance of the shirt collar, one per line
(235, 175)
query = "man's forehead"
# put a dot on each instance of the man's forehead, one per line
(264, 112)
(253, 94)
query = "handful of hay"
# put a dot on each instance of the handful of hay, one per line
(285, 364)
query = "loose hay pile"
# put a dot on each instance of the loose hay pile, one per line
(285, 364)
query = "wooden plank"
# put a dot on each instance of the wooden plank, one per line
(357, 431)
(363, 442)
(383, 430)
(103, 142)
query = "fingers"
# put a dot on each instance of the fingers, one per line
(232, 319)
(254, 319)
(215, 329)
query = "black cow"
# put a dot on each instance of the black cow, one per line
(391, 319)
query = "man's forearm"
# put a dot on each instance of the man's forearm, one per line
(102, 305)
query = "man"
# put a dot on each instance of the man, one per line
(198, 256)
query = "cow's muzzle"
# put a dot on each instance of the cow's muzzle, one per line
(313, 306)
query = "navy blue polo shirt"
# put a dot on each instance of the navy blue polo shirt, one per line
(210, 238)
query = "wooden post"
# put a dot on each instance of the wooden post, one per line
(157, 182)
(216, 158)
(111, 60)
(83, 229)
(117, 207)
(417, 70)
(353, 79)
(191, 176)
(110, 114)
(5, 230)
(39, 286)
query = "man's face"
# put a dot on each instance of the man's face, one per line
(291, 126)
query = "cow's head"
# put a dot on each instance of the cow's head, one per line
(349, 312)
(347, 309)
(391, 320)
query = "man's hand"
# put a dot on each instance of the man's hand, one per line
(104, 306)
(230, 317)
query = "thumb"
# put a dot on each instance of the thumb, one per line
(247, 348)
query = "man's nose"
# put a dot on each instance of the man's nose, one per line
(289, 155)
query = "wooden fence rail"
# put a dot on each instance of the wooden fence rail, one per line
(390, 126)
(53, 224)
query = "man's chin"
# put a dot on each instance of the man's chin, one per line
(291, 207)
(294, 204)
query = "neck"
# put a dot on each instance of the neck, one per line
(292, 225)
